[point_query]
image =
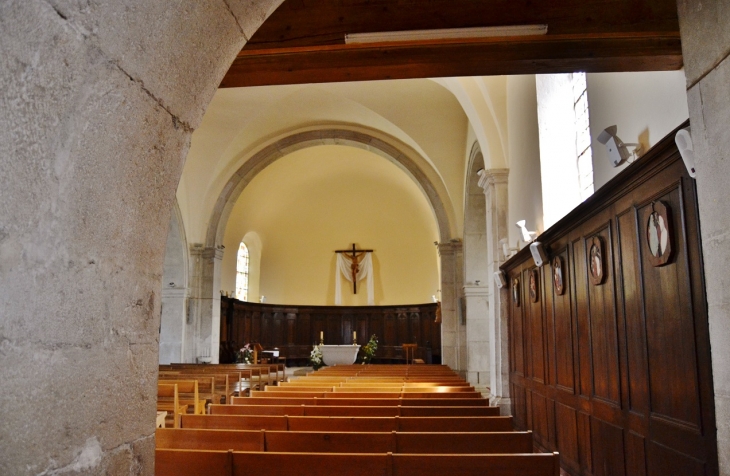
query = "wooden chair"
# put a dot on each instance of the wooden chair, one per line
(168, 401)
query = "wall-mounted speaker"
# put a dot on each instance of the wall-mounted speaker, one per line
(686, 149)
(538, 253)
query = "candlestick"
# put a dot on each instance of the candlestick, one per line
(321, 337)
(354, 338)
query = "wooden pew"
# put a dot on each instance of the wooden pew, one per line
(187, 391)
(346, 442)
(348, 424)
(168, 401)
(317, 410)
(369, 394)
(368, 402)
(169, 462)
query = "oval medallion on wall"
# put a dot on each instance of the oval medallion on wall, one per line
(595, 261)
(534, 286)
(558, 281)
(659, 234)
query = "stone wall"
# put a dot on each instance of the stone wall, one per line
(98, 102)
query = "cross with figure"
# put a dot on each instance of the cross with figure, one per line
(355, 256)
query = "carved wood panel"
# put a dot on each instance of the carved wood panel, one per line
(294, 329)
(615, 373)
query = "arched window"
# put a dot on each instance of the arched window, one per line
(242, 273)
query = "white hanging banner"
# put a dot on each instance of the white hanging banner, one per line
(354, 271)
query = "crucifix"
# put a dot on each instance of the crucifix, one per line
(355, 255)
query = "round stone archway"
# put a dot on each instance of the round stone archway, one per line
(205, 300)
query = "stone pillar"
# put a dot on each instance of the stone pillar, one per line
(494, 183)
(204, 304)
(453, 337)
(173, 315)
(477, 333)
(705, 48)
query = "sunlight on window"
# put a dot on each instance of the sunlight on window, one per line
(566, 162)
(242, 273)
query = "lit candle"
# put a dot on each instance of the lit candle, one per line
(321, 335)
(354, 337)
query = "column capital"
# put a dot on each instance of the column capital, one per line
(450, 247)
(207, 253)
(482, 290)
(489, 177)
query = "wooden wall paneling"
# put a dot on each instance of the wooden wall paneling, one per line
(670, 324)
(585, 447)
(635, 454)
(333, 334)
(415, 328)
(517, 337)
(538, 409)
(608, 449)
(627, 233)
(628, 382)
(389, 334)
(566, 421)
(579, 278)
(663, 460)
(603, 325)
(537, 334)
(403, 335)
(563, 330)
(255, 326)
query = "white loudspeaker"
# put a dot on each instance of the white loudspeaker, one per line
(686, 149)
(500, 279)
(538, 253)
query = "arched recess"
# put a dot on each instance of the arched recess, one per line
(174, 292)
(476, 279)
(391, 149)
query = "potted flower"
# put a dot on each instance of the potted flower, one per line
(245, 355)
(368, 350)
(315, 358)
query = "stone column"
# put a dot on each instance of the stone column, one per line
(453, 337)
(494, 183)
(204, 304)
(705, 49)
(477, 333)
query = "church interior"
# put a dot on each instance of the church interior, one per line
(176, 183)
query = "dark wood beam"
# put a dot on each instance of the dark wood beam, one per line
(608, 52)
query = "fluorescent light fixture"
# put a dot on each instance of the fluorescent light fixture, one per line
(446, 34)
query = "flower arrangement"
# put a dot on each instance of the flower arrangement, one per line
(245, 355)
(315, 358)
(368, 350)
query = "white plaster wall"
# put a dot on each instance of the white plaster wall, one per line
(645, 106)
(420, 113)
(525, 186)
(319, 199)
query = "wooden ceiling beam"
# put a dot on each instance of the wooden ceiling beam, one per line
(526, 55)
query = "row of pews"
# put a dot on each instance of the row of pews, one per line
(394, 420)
(191, 388)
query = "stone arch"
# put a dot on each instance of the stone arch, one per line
(400, 154)
(205, 299)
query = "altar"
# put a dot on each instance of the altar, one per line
(339, 354)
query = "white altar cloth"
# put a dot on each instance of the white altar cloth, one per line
(339, 354)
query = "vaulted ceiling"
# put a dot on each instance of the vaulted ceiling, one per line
(303, 41)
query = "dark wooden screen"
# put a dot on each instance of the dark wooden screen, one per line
(295, 329)
(617, 376)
